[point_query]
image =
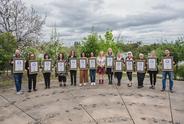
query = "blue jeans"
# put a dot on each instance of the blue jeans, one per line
(18, 81)
(93, 75)
(164, 77)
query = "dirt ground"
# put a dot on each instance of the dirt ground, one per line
(102, 104)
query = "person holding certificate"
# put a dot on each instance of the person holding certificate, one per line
(152, 69)
(92, 68)
(101, 67)
(18, 75)
(31, 76)
(109, 65)
(83, 70)
(140, 67)
(129, 72)
(119, 73)
(47, 74)
(73, 72)
(62, 73)
(167, 69)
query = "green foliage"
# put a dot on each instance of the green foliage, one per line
(180, 72)
(7, 48)
(90, 44)
(95, 43)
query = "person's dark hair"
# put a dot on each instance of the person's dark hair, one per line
(46, 55)
(63, 56)
(84, 54)
(93, 54)
(71, 53)
(32, 54)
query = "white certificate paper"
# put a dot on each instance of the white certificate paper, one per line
(140, 66)
(151, 63)
(82, 63)
(61, 67)
(34, 67)
(167, 64)
(118, 66)
(73, 64)
(19, 65)
(47, 65)
(92, 63)
(109, 61)
(129, 65)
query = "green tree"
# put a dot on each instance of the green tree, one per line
(7, 48)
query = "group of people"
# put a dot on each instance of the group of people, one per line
(101, 70)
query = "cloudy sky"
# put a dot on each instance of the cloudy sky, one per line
(138, 20)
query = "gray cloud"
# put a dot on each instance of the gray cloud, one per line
(75, 18)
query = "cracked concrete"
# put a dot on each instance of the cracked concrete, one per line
(100, 104)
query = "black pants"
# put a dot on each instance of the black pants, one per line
(119, 77)
(73, 75)
(110, 75)
(62, 78)
(47, 79)
(129, 75)
(140, 78)
(32, 80)
(153, 76)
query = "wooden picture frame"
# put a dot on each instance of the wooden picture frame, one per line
(83, 63)
(73, 64)
(47, 66)
(118, 66)
(18, 65)
(140, 66)
(33, 67)
(129, 64)
(167, 64)
(92, 63)
(152, 64)
(61, 66)
(109, 61)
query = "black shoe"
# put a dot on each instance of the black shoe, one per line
(35, 90)
(29, 91)
(151, 87)
(64, 85)
(75, 85)
(119, 84)
(171, 91)
(162, 90)
(60, 85)
(140, 87)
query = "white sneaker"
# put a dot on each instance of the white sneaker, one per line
(19, 93)
(91, 83)
(80, 85)
(94, 83)
(84, 84)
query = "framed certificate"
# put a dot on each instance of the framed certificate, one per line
(167, 64)
(18, 65)
(129, 65)
(140, 66)
(92, 63)
(33, 67)
(118, 66)
(61, 67)
(73, 64)
(109, 61)
(83, 63)
(47, 65)
(152, 64)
